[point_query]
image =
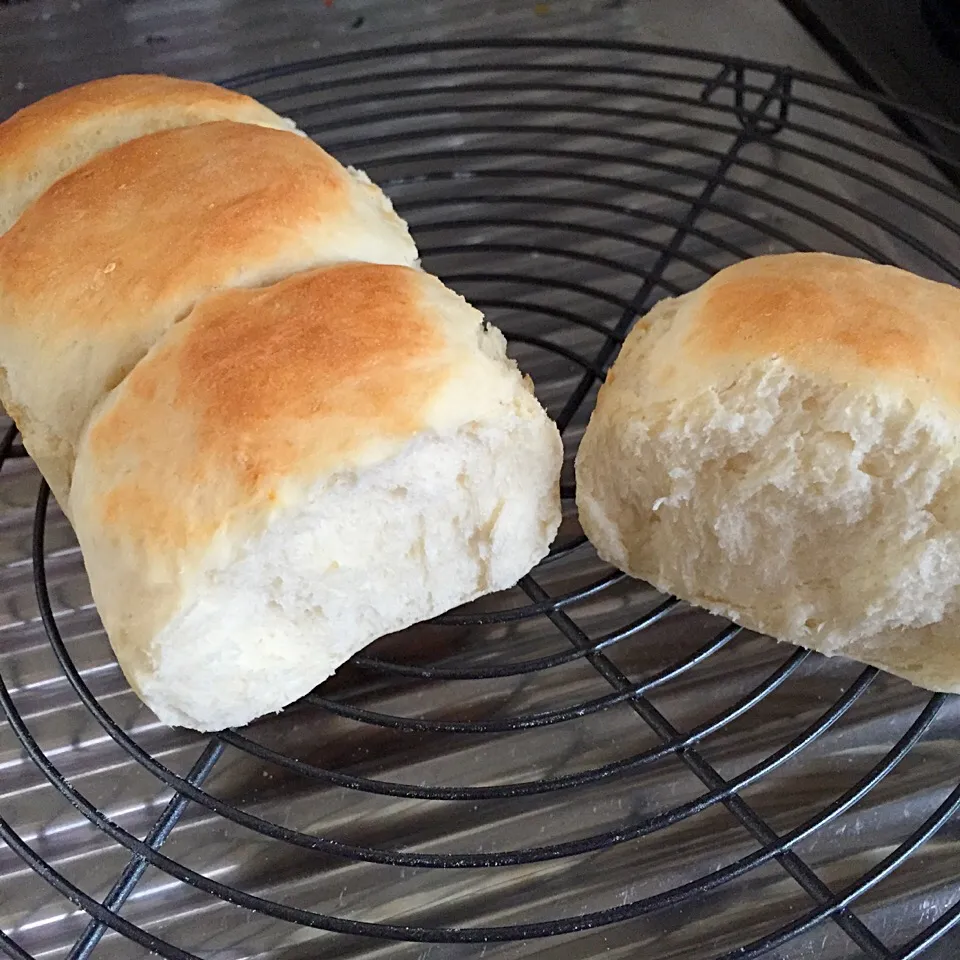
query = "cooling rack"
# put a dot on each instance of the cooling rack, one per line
(579, 766)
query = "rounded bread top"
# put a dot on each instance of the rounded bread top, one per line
(840, 320)
(172, 213)
(116, 252)
(259, 393)
(47, 139)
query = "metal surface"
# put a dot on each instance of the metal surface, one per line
(687, 791)
(49, 44)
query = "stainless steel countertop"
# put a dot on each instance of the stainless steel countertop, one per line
(48, 45)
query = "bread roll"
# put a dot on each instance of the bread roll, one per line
(112, 255)
(294, 471)
(782, 447)
(276, 437)
(53, 136)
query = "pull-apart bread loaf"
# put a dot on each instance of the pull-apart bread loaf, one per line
(782, 447)
(113, 254)
(277, 438)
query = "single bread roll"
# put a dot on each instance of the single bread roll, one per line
(115, 253)
(53, 136)
(782, 447)
(294, 471)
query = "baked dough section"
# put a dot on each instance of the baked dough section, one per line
(781, 446)
(294, 471)
(49, 138)
(113, 254)
(277, 438)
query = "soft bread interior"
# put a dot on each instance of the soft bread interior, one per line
(782, 446)
(362, 555)
(813, 511)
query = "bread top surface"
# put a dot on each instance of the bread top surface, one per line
(834, 318)
(168, 213)
(257, 392)
(116, 252)
(56, 134)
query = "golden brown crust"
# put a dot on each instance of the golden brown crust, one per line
(55, 134)
(116, 252)
(196, 195)
(260, 386)
(836, 314)
(39, 124)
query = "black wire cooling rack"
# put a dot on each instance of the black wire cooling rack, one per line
(576, 767)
